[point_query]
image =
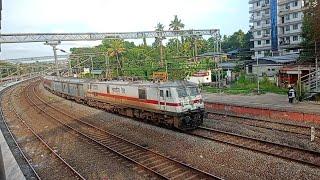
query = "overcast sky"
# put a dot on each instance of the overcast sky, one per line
(54, 16)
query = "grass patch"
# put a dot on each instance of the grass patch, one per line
(246, 85)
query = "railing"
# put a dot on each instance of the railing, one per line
(311, 82)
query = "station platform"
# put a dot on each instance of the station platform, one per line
(11, 167)
(270, 106)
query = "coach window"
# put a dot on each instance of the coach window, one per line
(161, 93)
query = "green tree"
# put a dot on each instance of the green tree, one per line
(115, 50)
(311, 31)
(176, 25)
(236, 41)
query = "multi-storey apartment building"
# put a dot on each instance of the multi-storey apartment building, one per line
(276, 26)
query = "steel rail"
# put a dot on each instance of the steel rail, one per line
(13, 138)
(259, 121)
(121, 139)
(281, 154)
(46, 145)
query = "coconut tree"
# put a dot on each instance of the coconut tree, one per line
(115, 50)
(176, 25)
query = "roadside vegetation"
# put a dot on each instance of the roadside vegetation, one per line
(179, 56)
(248, 85)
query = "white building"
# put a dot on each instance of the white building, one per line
(276, 26)
(201, 77)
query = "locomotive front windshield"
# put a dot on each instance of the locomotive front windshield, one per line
(190, 91)
(182, 92)
(194, 91)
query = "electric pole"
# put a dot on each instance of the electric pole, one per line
(317, 69)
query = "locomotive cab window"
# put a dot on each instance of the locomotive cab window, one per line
(108, 89)
(182, 92)
(161, 93)
(142, 94)
(168, 93)
(194, 91)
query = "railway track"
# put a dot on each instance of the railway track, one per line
(55, 156)
(18, 147)
(154, 163)
(266, 147)
(265, 124)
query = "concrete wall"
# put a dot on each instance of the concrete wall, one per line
(268, 70)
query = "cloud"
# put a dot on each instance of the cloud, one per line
(113, 16)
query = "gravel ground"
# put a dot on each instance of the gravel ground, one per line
(40, 157)
(216, 158)
(265, 134)
(87, 159)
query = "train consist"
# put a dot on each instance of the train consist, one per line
(174, 104)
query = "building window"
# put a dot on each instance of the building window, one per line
(259, 42)
(258, 23)
(268, 21)
(288, 6)
(258, 3)
(266, 11)
(295, 38)
(259, 52)
(268, 41)
(295, 26)
(267, 31)
(258, 13)
(287, 28)
(266, 1)
(288, 17)
(295, 15)
(295, 4)
(259, 33)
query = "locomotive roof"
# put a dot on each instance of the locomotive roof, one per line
(126, 83)
(149, 84)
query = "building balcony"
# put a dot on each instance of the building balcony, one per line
(261, 48)
(259, 18)
(291, 21)
(253, 1)
(288, 10)
(259, 8)
(285, 2)
(287, 44)
(259, 28)
(289, 33)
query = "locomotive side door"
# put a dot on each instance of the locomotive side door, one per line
(162, 99)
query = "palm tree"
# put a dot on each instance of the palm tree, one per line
(115, 50)
(176, 25)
